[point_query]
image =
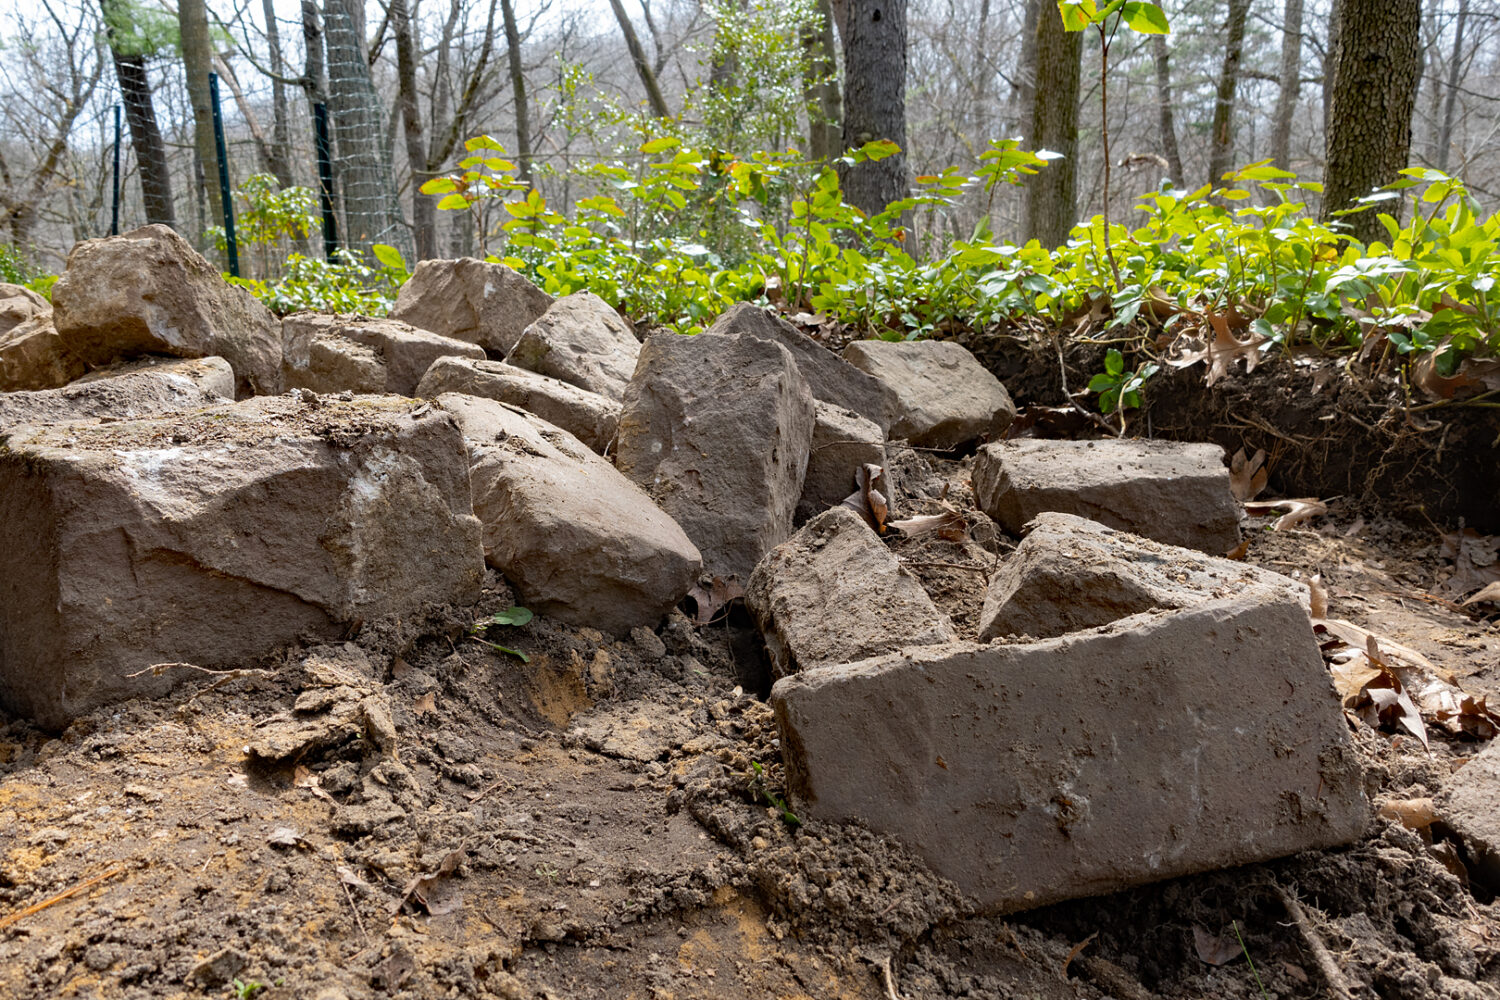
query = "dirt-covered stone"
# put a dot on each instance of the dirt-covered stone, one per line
(128, 392)
(718, 430)
(472, 300)
(831, 379)
(1470, 806)
(833, 593)
(578, 540)
(328, 353)
(150, 292)
(1166, 490)
(1165, 744)
(580, 340)
(945, 398)
(842, 443)
(212, 536)
(33, 356)
(1070, 573)
(588, 416)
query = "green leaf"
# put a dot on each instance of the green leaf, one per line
(484, 142)
(1114, 362)
(1076, 15)
(659, 144)
(513, 615)
(389, 256)
(439, 185)
(453, 201)
(1145, 18)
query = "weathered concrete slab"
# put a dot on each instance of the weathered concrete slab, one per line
(149, 292)
(833, 593)
(842, 442)
(1173, 492)
(588, 416)
(33, 356)
(473, 300)
(327, 353)
(717, 430)
(831, 378)
(131, 392)
(1070, 573)
(1167, 744)
(582, 341)
(213, 536)
(945, 397)
(1469, 805)
(580, 542)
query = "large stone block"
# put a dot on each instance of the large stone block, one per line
(149, 292)
(717, 430)
(831, 378)
(1173, 492)
(1469, 805)
(473, 300)
(33, 356)
(18, 304)
(588, 416)
(1166, 744)
(580, 542)
(944, 397)
(833, 593)
(213, 536)
(582, 341)
(139, 389)
(1070, 573)
(328, 353)
(842, 442)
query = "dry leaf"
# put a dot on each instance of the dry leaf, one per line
(868, 500)
(1297, 511)
(425, 705)
(1414, 814)
(1319, 596)
(1215, 949)
(1489, 595)
(1075, 951)
(1222, 351)
(949, 525)
(1239, 552)
(427, 891)
(347, 876)
(303, 778)
(284, 836)
(1247, 477)
(714, 597)
(400, 669)
(1476, 561)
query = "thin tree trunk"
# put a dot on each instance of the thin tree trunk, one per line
(145, 135)
(875, 100)
(1330, 58)
(642, 65)
(197, 60)
(1376, 71)
(1166, 118)
(1024, 92)
(820, 92)
(1052, 194)
(1221, 145)
(1291, 84)
(281, 126)
(1455, 73)
(423, 210)
(518, 90)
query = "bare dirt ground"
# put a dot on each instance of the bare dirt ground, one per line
(415, 814)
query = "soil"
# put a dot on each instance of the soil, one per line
(413, 813)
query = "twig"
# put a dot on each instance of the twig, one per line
(38, 907)
(888, 979)
(1327, 967)
(495, 786)
(157, 669)
(358, 920)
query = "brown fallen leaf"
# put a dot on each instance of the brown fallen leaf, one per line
(303, 778)
(1075, 951)
(428, 891)
(1297, 511)
(1476, 561)
(1414, 814)
(1215, 949)
(425, 705)
(1239, 552)
(949, 525)
(868, 499)
(1221, 351)
(1247, 477)
(1489, 595)
(1319, 596)
(710, 600)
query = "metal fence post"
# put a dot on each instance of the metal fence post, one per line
(223, 156)
(325, 181)
(114, 212)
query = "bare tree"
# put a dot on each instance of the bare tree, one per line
(1290, 84)
(825, 110)
(518, 89)
(1051, 195)
(1221, 149)
(1450, 98)
(140, 113)
(1166, 119)
(281, 127)
(643, 68)
(875, 100)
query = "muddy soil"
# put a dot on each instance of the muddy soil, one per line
(413, 813)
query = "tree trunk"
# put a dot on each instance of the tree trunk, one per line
(197, 59)
(1023, 93)
(1166, 119)
(1291, 84)
(518, 90)
(145, 135)
(1455, 74)
(875, 100)
(1376, 69)
(1221, 147)
(281, 126)
(1052, 193)
(825, 110)
(357, 119)
(642, 65)
(423, 210)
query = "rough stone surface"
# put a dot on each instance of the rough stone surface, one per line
(1167, 744)
(333, 353)
(1172, 492)
(582, 341)
(588, 416)
(213, 536)
(33, 356)
(134, 391)
(831, 378)
(1470, 805)
(1070, 573)
(19, 304)
(842, 441)
(473, 300)
(833, 593)
(580, 542)
(718, 431)
(149, 292)
(945, 397)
